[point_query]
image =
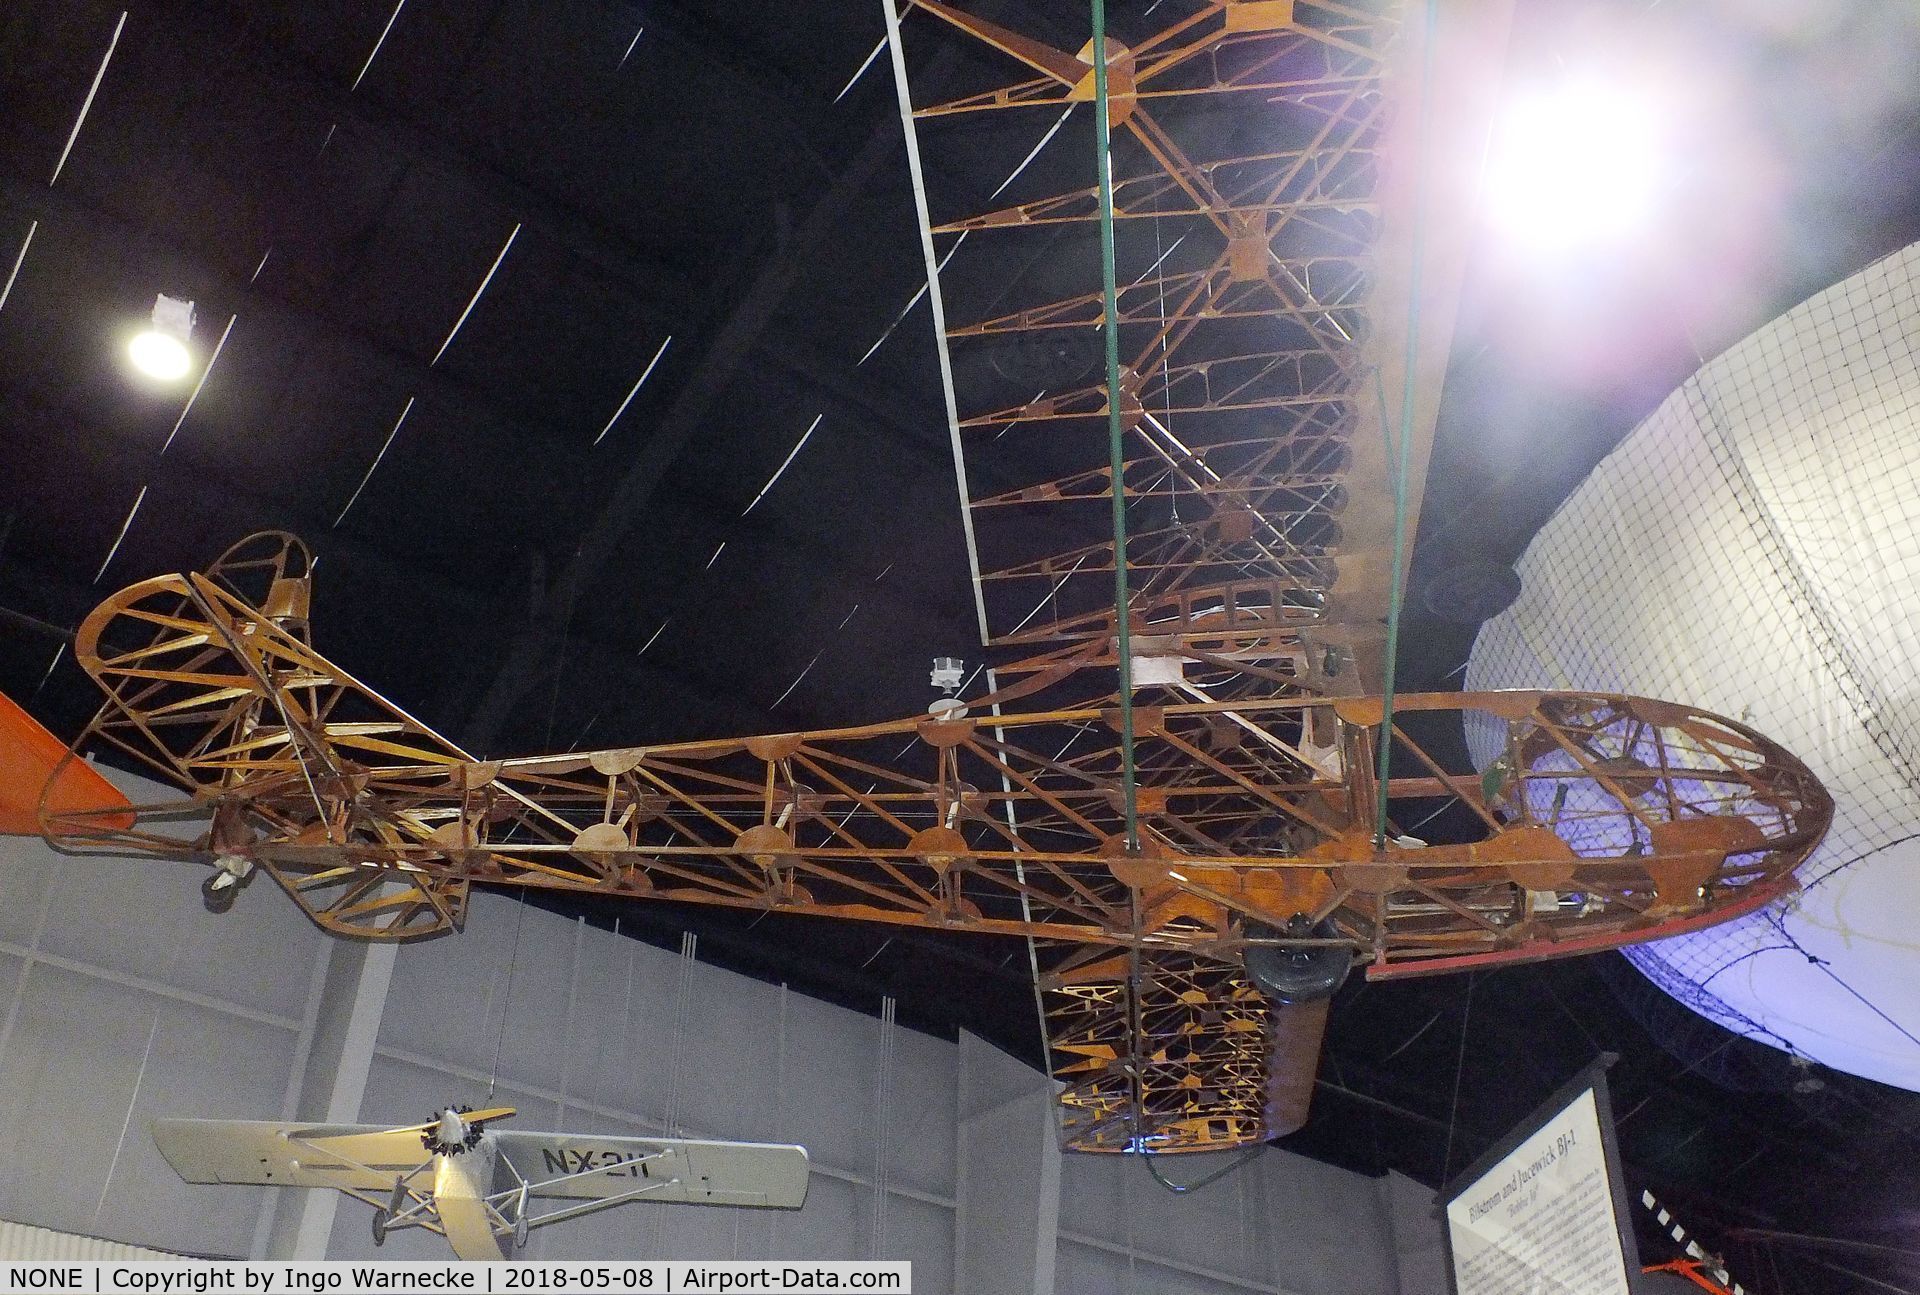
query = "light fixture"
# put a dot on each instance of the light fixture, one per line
(947, 671)
(1574, 165)
(161, 351)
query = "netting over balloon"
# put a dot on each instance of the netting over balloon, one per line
(1754, 547)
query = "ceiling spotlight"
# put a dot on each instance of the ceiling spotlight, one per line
(161, 351)
(1574, 165)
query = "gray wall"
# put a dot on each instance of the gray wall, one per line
(125, 1001)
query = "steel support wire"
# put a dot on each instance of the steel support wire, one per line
(1401, 452)
(1123, 643)
(936, 305)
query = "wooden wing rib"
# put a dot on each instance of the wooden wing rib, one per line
(1293, 1063)
(1169, 1052)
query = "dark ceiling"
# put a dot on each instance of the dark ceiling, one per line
(528, 572)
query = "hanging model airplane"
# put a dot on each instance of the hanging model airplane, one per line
(481, 1188)
(1199, 810)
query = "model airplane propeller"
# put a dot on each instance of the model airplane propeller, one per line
(1201, 852)
(480, 1188)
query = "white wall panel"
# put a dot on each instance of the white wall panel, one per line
(408, 1091)
(832, 1226)
(1281, 1221)
(922, 1129)
(1330, 1223)
(160, 930)
(528, 979)
(89, 1065)
(922, 1233)
(12, 985)
(20, 1241)
(445, 992)
(729, 1053)
(1083, 1269)
(1007, 1219)
(24, 885)
(1420, 1243)
(830, 1073)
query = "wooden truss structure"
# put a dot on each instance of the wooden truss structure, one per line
(1247, 167)
(1601, 820)
(1258, 341)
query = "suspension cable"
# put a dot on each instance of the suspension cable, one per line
(1123, 641)
(1402, 452)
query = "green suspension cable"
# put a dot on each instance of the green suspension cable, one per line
(1123, 637)
(1403, 451)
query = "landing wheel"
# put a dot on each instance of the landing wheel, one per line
(1299, 973)
(380, 1226)
(218, 892)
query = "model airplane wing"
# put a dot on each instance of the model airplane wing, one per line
(569, 1165)
(584, 1167)
(1244, 478)
(362, 1157)
(1168, 1051)
(1286, 200)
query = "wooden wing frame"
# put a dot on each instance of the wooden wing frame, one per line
(1257, 349)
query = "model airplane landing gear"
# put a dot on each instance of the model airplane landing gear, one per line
(219, 891)
(383, 1215)
(521, 1223)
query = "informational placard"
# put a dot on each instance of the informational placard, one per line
(1543, 1213)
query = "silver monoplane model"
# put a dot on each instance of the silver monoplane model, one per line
(480, 1188)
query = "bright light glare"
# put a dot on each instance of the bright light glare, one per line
(160, 355)
(1575, 165)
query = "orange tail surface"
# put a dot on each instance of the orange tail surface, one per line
(31, 758)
